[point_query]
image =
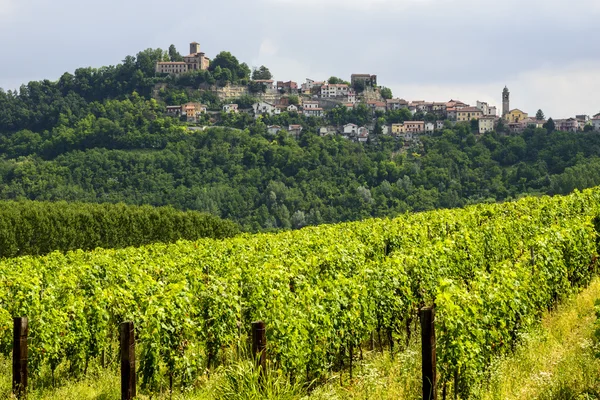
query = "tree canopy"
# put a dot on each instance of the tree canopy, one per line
(101, 135)
(262, 73)
(226, 63)
(539, 115)
(174, 54)
(335, 81)
(386, 93)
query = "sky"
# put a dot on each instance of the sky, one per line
(546, 51)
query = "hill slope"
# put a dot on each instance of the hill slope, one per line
(98, 136)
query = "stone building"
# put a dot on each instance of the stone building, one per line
(194, 61)
(486, 123)
(369, 80)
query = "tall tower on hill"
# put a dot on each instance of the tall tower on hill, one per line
(194, 48)
(505, 102)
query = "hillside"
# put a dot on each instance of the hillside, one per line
(98, 135)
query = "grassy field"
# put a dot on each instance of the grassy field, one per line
(556, 361)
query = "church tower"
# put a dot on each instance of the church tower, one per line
(505, 102)
(194, 48)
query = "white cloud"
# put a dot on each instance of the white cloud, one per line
(422, 49)
(267, 48)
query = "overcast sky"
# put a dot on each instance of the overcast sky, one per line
(546, 51)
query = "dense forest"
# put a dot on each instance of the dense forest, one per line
(98, 136)
(36, 228)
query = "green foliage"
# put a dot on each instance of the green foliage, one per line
(336, 81)
(539, 115)
(550, 126)
(98, 136)
(226, 67)
(193, 79)
(261, 73)
(35, 228)
(129, 151)
(359, 86)
(245, 101)
(257, 87)
(386, 93)
(174, 54)
(490, 269)
(501, 126)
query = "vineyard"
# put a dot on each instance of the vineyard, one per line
(325, 293)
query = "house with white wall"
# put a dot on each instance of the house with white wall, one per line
(350, 129)
(263, 107)
(230, 108)
(329, 90)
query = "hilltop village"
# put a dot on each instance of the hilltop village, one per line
(325, 98)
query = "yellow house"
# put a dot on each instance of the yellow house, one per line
(515, 115)
(468, 113)
(398, 129)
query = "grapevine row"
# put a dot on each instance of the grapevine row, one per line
(323, 291)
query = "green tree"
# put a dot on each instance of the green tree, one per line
(474, 125)
(386, 93)
(501, 126)
(257, 87)
(359, 85)
(293, 99)
(226, 61)
(398, 116)
(262, 73)
(334, 80)
(245, 101)
(146, 60)
(550, 125)
(174, 54)
(379, 123)
(539, 115)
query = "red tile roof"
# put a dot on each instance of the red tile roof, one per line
(470, 109)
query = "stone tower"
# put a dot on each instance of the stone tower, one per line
(505, 102)
(194, 48)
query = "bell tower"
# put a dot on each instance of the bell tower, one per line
(505, 102)
(194, 48)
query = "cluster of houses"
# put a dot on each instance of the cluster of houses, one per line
(449, 112)
(349, 131)
(193, 111)
(315, 97)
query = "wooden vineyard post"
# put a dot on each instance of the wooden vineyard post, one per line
(428, 353)
(19, 367)
(128, 378)
(259, 346)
